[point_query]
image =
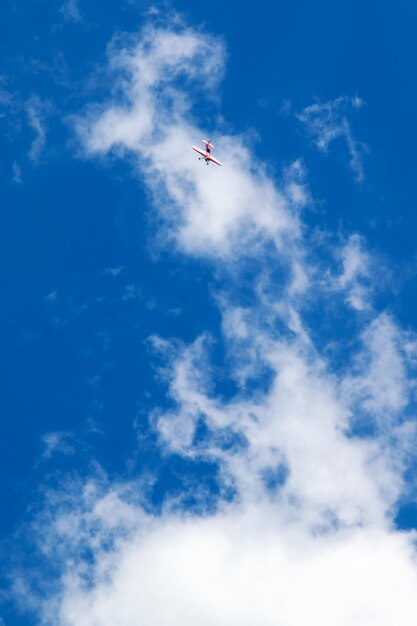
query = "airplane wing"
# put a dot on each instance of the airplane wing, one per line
(214, 160)
(199, 151)
(206, 156)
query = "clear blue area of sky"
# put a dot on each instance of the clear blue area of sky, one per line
(75, 355)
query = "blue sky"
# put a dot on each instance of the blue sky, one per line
(208, 373)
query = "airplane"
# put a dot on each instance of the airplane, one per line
(206, 155)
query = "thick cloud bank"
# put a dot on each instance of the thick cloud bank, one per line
(302, 533)
(247, 566)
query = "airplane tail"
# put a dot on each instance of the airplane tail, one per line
(208, 143)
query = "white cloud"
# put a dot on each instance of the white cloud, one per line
(19, 110)
(356, 270)
(316, 544)
(57, 442)
(71, 11)
(52, 296)
(115, 271)
(243, 565)
(7, 98)
(211, 213)
(17, 173)
(301, 424)
(35, 111)
(382, 383)
(355, 261)
(286, 106)
(132, 292)
(329, 121)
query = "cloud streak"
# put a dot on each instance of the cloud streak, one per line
(328, 121)
(35, 111)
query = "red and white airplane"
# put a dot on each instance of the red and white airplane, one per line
(206, 155)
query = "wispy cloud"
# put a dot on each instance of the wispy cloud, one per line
(52, 296)
(380, 381)
(36, 110)
(58, 442)
(329, 121)
(19, 111)
(71, 11)
(132, 292)
(355, 278)
(10, 104)
(17, 173)
(115, 271)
